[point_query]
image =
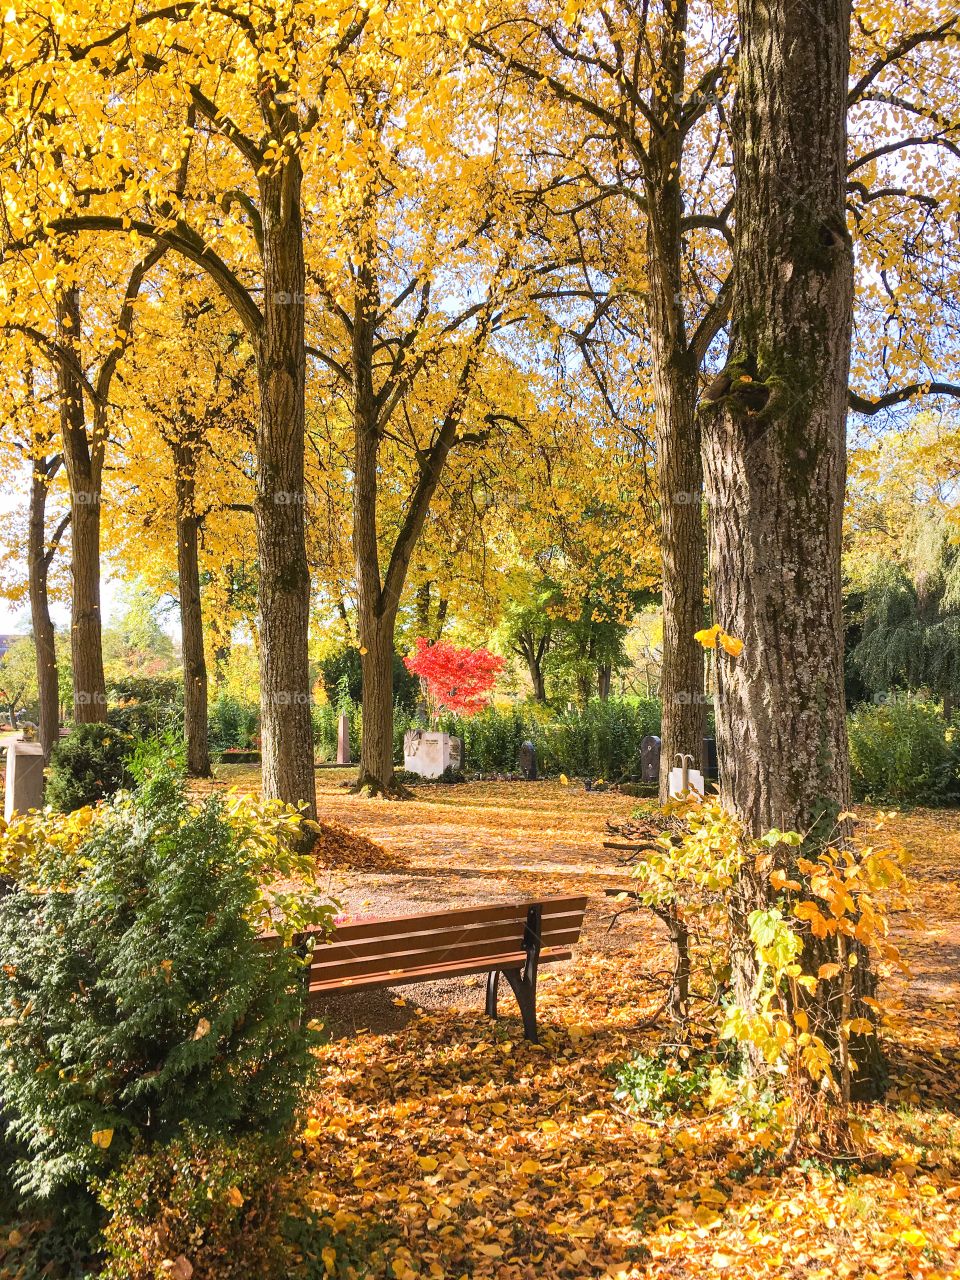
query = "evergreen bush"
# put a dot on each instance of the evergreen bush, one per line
(87, 766)
(233, 723)
(219, 1203)
(139, 1001)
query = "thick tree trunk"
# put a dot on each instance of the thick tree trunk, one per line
(191, 614)
(677, 428)
(604, 679)
(44, 634)
(775, 426)
(775, 436)
(284, 591)
(83, 457)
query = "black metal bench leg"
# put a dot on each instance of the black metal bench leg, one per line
(492, 981)
(525, 989)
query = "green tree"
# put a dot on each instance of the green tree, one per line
(910, 627)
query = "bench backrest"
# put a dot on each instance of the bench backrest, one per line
(401, 944)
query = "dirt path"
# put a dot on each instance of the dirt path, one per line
(483, 842)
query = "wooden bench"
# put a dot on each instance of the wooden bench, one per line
(513, 939)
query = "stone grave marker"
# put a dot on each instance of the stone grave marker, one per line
(343, 740)
(24, 778)
(528, 761)
(650, 758)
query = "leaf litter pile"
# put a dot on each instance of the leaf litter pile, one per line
(452, 1148)
(338, 847)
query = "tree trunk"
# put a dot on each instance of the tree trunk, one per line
(532, 651)
(775, 426)
(83, 458)
(195, 727)
(44, 634)
(284, 590)
(676, 426)
(604, 678)
(376, 744)
(423, 609)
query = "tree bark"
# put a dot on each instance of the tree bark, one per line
(83, 457)
(533, 649)
(44, 633)
(195, 728)
(284, 593)
(376, 745)
(775, 436)
(775, 425)
(604, 679)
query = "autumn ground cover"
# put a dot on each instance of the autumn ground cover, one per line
(443, 1145)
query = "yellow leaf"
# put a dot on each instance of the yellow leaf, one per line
(564, 780)
(731, 644)
(530, 1166)
(428, 1163)
(828, 971)
(102, 1138)
(235, 1197)
(708, 637)
(329, 1256)
(203, 1029)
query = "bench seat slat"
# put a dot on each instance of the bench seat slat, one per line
(428, 973)
(509, 931)
(425, 921)
(327, 965)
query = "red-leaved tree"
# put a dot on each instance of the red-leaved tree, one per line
(454, 679)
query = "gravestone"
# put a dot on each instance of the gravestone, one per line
(528, 761)
(711, 767)
(428, 752)
(343, 740)
(650, 758)
(684, 779)
(24, 778)
(456, 754)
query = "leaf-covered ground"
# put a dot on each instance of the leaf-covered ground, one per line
(444, 1145)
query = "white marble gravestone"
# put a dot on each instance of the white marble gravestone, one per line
(685, 780)
(428, 752)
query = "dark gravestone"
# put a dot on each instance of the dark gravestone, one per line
(650, 758)
(528, 761)
(710, 766)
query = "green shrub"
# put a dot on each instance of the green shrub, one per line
(233, 723)
(220, 1204)
(601, 740)
(657, 1084)
(140, 1001)
(900, 752)
(87, 766)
